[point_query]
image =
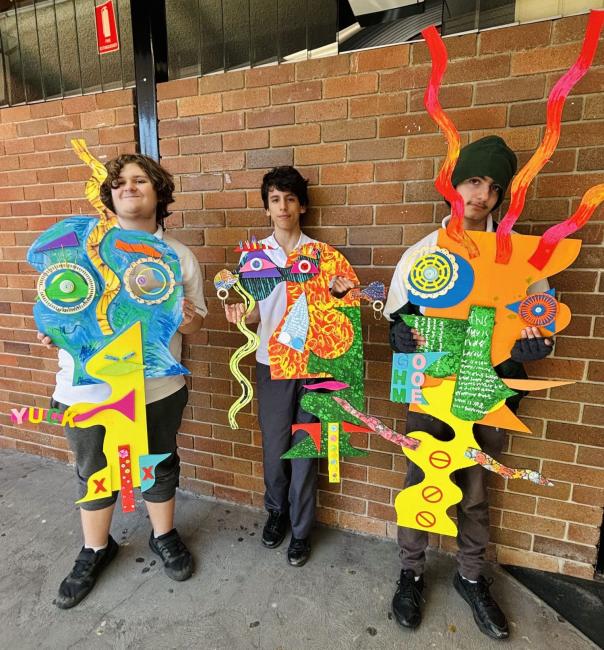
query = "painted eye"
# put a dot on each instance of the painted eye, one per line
(66, 288)
(257, 264)
(149, 281)
(305, 267)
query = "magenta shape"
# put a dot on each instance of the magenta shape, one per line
(124, 406)
(327, 385)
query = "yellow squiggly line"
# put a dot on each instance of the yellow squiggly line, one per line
(107, 221)
(253, 341)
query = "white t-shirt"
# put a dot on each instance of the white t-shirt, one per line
(397, 294)
(273, 308)
(156, 388)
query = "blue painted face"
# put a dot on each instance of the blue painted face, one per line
(85, 301)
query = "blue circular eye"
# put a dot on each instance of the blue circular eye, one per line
(256, 264)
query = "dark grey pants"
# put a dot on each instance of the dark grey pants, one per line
(163, 420)
(472, 510)
(290, 485)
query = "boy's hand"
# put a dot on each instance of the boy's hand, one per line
(45, 340)
(404, 338)
(341, 286)
(234, 313)
(188, 312)
(531, 346)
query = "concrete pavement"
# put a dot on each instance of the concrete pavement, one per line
(241, 595)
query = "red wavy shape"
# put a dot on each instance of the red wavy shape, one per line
(555, 104)
(438, 53)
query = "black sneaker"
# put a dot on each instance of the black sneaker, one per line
(274, 529)
(407, 600)
(487, 614)
(298, 551)
(178, 563)
(87, 568)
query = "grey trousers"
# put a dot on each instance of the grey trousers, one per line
(163, 421)
(290, 485)
(472, 510)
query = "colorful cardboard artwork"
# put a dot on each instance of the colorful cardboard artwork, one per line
(319, 336)
(112, 299)
(474, 317)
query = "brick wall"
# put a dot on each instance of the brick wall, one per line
(356, 126)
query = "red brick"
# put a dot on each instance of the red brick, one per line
(349, 130)
(302, 134)
(349, 173)
(404, 170)
(510, 90)
(567, 472)
(248, 98)
(559, 57)
(221, 82)
(324, 67)
(448, 96)
(178, 127)
(379, 104)
(218, 200)
(222, 161)
(457, 47)
(406, 213)
(296, 92)
(276, 116)
(223, 122)
(532, 36)
(376, 150)
(245, 140)
(269, 75)
(532, 524)
(176, 89)
(360, 84)
(569, 28)
(374, 235)
(582, 514)
(83, 104)
(375, 194)
(320, 154)
(322, 111)
(568, 550)
(46, 109)
(382, 58)
(200, 105)
(267, 158)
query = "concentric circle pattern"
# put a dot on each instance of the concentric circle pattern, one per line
(66, 288)
(432, 273)
(149, 281)
(538, 309)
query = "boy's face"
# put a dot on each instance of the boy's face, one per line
(284, 209)
(134, 199)
(480, 194)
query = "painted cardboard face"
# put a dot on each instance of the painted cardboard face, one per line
(84, 305)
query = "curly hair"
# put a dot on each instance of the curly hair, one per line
(161, 179)
(285, 179)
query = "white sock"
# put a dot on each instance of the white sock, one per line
(416, 578)
(96, 549)
(473, 582)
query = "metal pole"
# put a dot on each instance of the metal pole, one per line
(149, 42)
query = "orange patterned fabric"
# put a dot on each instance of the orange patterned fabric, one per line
(330, 333)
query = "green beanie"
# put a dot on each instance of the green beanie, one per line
(489, 156)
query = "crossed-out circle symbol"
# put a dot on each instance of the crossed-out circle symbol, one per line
(425, 519)
(432, 494)
(440, 459)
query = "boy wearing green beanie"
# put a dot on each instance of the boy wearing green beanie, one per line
(482, 175)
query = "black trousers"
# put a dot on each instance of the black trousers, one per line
(290, 485)
(472, 510)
